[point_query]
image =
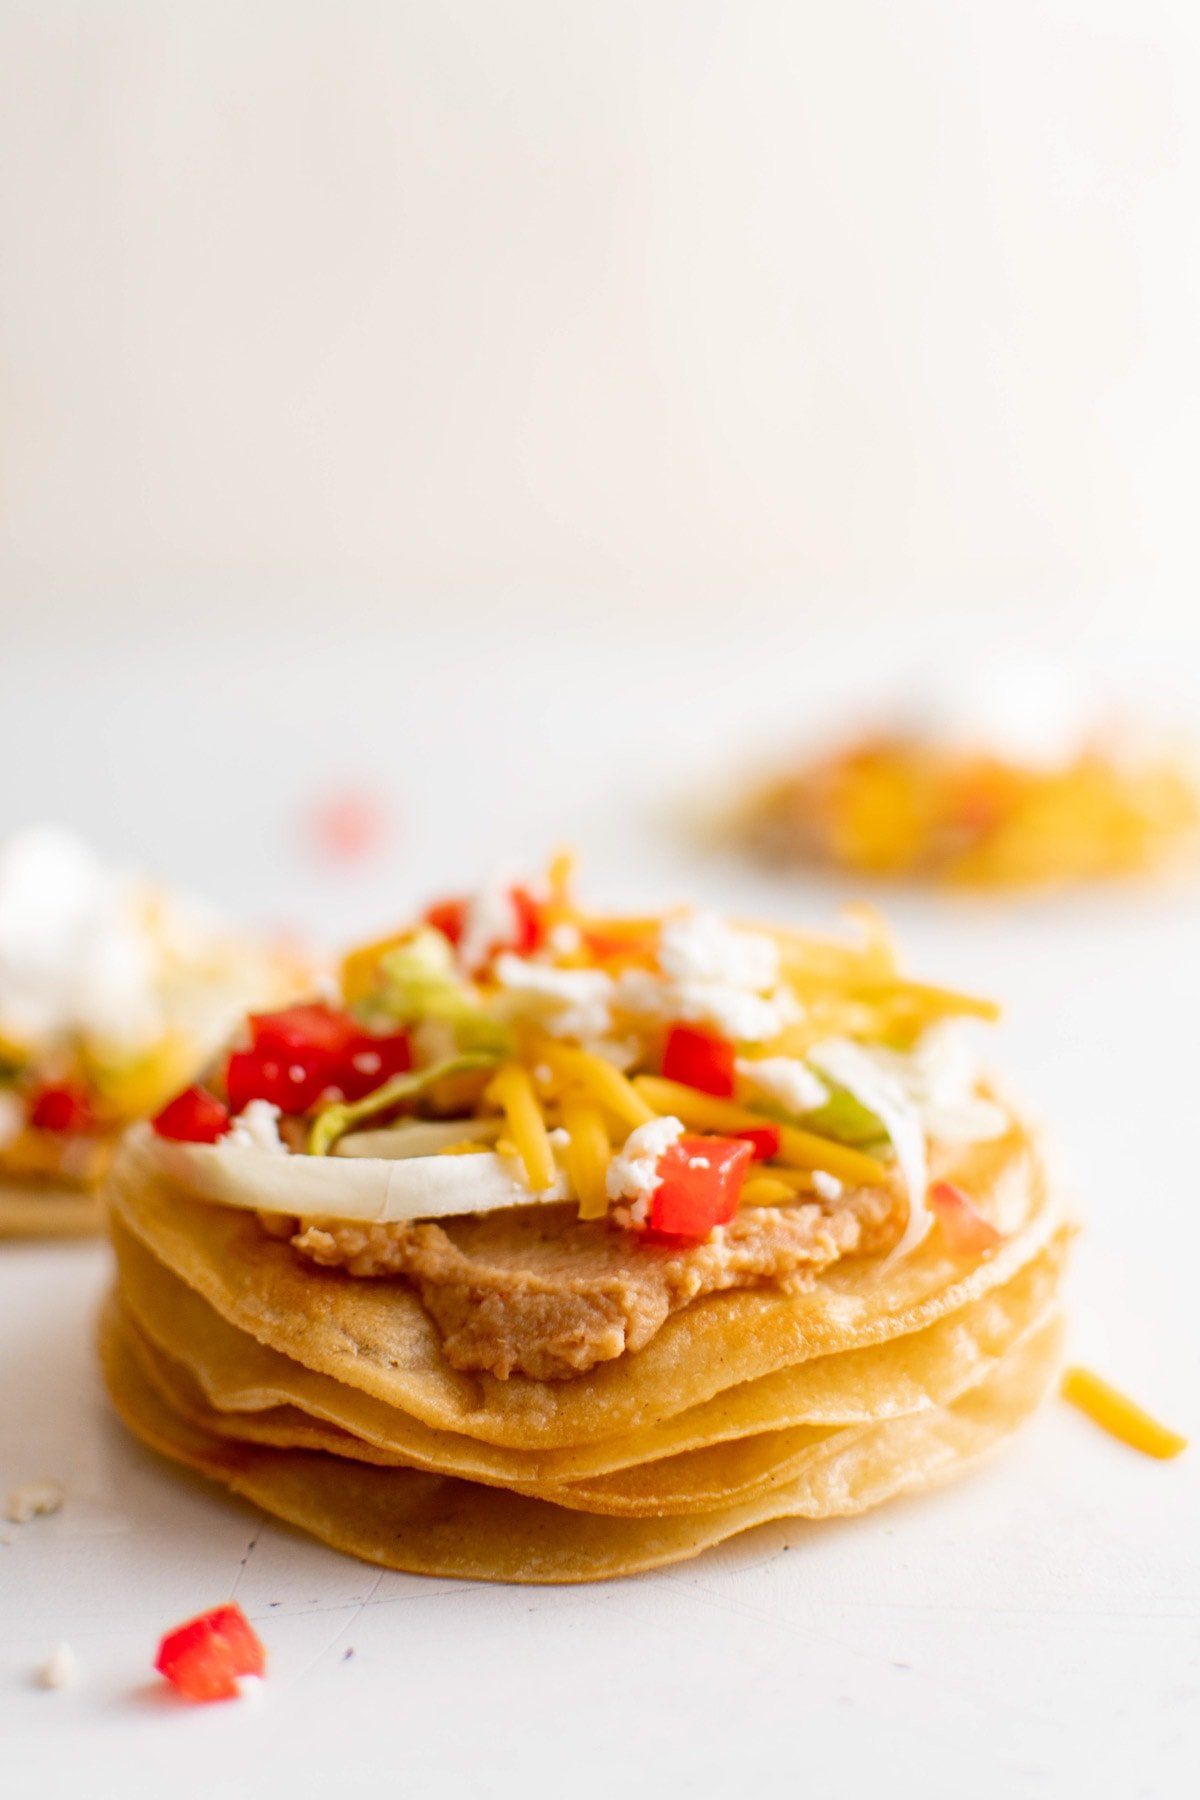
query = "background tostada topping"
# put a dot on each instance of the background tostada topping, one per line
(112, 993)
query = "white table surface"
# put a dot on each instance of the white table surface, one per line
(1033, 1630)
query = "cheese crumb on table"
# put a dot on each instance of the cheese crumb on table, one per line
(60, 1668)
(33, 1500)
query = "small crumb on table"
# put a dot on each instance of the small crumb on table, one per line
(59, 1669)
(33, 1500)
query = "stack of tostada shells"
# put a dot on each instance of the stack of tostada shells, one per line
(305, 1355)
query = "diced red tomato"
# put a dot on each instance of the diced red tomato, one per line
(311, 1030)
(763, 1140)
(699, 1059)
(193, 1117)
(370, 1061)
(291, 1086)
(531, 923)
(65, 1108)
(449, 917)
(299, 1054)
(700, 1186)
(205, 1657)
(966, 1231)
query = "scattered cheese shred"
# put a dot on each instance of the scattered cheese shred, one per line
(511, 1088)
(802, 1149)
(587, 1155)
(1114, 1413)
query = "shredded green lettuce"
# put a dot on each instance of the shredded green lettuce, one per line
(418, 980)
(841, 1118)
(333, 1121)
(847, 1121)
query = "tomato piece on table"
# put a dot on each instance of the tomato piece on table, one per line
(193, 1117)
(348, 826)
(699, 1059)
(763, 1140)
(700, 1186)
(966, 1231)
(205, 1657)
(63, 1109)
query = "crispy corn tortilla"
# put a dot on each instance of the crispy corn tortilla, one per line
(374, 1335)
(241, 1388)
(702, 1480)
(34, 1209)
(438, 1525)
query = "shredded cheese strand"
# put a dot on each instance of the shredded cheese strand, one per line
(1115, 1413)
(511, 1088)
(587, 1154)
(767, 1190)
(604, 1084)
(802, 1149)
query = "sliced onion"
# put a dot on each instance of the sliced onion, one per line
(420, 1137)
(368, 1190)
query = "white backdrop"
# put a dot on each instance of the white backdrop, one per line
(524, 411)
(860, 306)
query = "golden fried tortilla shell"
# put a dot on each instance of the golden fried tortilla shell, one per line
(376, 1336)
(243, 1389)
(437, 1525)
(703, 1480)
(48, 1209)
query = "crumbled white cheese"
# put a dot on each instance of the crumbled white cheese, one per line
(1033, 715)
(71, 956)
(257, 1128)
(12, 1116)
(632, 1173)
(558, 1139)
(490, 920)
(784, 1079)
(60, 1668)
(564, 939)
(714, 974)
(622, 1053)
(826, 1185)
(736, 1013)
(700, 946)
(573, 1003)
(941, 1076)
(92, 951)
(33, 1500)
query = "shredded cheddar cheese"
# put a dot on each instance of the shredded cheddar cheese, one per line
(767, 1190)
(1117, 1414)
(587, 1154)
(511, 1088)
(599, 1079)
